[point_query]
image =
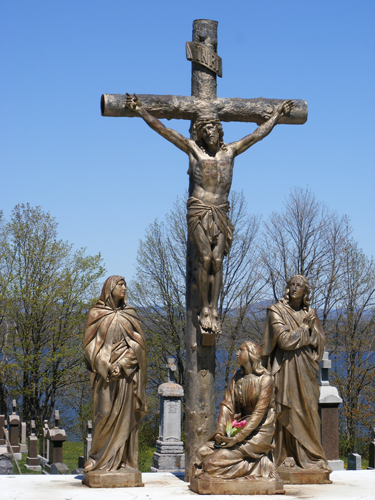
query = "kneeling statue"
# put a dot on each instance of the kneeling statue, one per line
(238, 459)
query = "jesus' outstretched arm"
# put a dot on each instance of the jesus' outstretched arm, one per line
(133, 103)
(263, 130)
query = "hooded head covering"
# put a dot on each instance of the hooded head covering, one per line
(99, 321)
(106, 295)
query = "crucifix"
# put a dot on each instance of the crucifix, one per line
(210, 231)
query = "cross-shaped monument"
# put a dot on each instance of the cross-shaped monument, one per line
(210, 230)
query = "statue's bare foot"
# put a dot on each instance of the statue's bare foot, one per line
(205, 318)
(216, 324)
(289, 462)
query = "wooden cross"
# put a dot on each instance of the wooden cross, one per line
(206, 64)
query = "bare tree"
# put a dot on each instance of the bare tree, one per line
(158, 292)
(352, 343)
(308, 239)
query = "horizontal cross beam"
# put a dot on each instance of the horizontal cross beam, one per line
(188, 108)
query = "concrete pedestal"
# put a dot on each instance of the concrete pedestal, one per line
(296, 475)
(112, 479)
(207, 485)
(169, 457)
(35, 468)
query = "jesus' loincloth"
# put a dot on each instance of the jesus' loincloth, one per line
(213, 219)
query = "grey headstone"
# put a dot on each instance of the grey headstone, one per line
(23, 445)
(354, 461)
(169, 455)
(6, 466)
(77, 471)
(336, 464)
(59, 468)
(88, 440)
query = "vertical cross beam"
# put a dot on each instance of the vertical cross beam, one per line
(200, 361)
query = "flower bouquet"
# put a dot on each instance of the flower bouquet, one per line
(234, 426)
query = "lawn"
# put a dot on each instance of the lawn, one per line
(72, 450)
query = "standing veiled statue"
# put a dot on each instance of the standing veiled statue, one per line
(293, 347)
(241, 446)
(114, 350)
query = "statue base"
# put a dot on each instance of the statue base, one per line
(120, 478)
(250, 485)
(296, 475)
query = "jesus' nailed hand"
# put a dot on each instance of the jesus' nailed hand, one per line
(211, 169)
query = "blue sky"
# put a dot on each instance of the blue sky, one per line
(106, 179)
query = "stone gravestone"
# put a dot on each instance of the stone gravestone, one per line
(23, 444)
(371, 458)
(56, 438)
(169, 455)
(45, 442)
(329, 401)
(354, 461)
(44, 445)
(87, 446)
(3, 446)
(88, 440)
(32, 462)
(6, 465)
(14, 429)
(204, 272)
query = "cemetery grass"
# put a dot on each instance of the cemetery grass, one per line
(72, 450)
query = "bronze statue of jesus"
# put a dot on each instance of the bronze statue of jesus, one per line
(211, 169)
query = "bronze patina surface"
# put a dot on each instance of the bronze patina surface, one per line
(210, 177)
(241, 486)
(113, 479)
(114, 349)
(211, 164)
(293, 347)
(247, 455)
(296, 475)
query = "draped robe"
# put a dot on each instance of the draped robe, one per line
(293, 352)
(249, 397)
(115, 336)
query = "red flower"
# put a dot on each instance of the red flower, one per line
(239, 425)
